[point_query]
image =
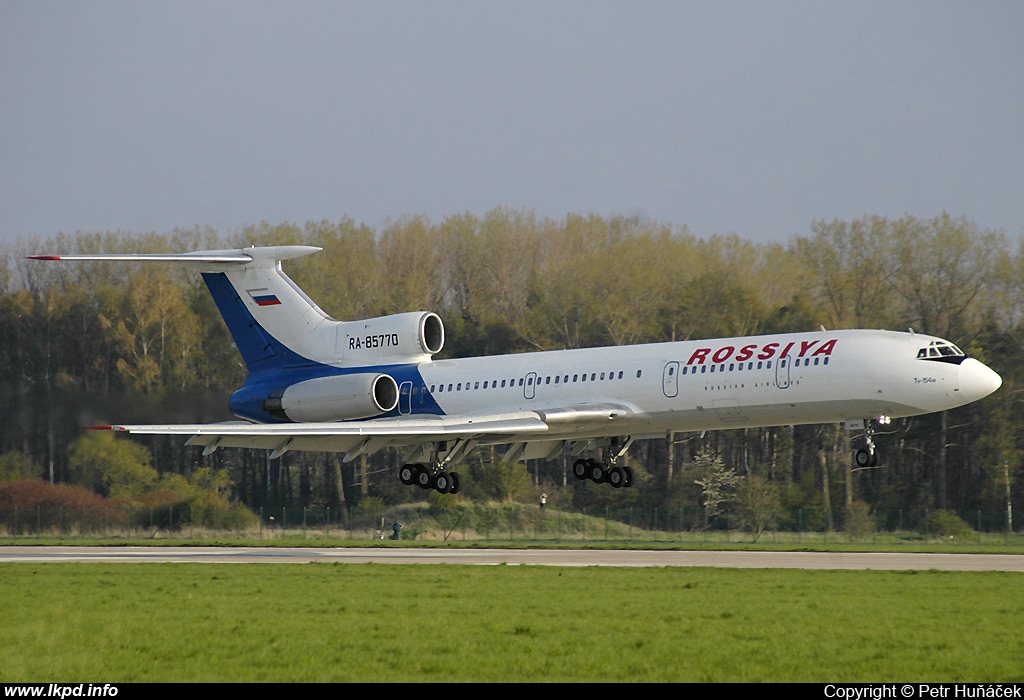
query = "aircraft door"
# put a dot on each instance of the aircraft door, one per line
(405, 398)
(530, 386)
(782, 368)
(670, 380)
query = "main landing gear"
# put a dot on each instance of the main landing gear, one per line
(434, 474)
(599, 473)
(428, 477)
(606, 473)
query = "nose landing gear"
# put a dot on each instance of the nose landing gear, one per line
(864, 455)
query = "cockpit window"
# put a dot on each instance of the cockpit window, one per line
(941, 351)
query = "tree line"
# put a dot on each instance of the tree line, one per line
(89, 343)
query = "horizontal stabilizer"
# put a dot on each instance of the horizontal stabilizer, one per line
(204, 260)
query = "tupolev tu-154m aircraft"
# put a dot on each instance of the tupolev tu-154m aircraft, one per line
(354, 387)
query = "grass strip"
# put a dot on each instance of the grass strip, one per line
(453, 623)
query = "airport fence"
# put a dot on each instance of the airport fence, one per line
(471, 522)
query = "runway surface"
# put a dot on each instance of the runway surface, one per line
(531, 557)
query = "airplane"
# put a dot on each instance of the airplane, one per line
(354, 387)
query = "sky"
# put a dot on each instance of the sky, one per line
(753, 118)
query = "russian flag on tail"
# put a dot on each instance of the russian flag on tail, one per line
(263, 297)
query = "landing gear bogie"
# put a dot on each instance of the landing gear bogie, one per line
(606, 470)
(600, 473)
(427, 477)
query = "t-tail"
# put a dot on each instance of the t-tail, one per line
(286, 340)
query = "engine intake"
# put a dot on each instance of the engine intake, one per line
(408, 337)
(342, 397)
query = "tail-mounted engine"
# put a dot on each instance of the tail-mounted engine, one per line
(342, 397)
(408, 337)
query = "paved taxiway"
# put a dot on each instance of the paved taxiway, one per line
(533, 557)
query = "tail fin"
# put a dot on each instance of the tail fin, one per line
(273, 322)
(276, 326)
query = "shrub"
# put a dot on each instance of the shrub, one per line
(946, 523)
(33, 505)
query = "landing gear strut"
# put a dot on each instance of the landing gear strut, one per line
(606, 473)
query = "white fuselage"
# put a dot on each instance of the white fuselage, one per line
(713, 384)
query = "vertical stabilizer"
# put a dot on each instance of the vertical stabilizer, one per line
(273, 322)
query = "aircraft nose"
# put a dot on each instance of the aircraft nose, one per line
(977, 380)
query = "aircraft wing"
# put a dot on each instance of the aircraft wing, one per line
(359, 437)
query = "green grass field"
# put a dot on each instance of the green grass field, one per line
(371, 622)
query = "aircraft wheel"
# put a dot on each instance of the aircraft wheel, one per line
(616, 477)
(407, 474)
(865, 457)
(597, 473)
(628, 471)
(580, 468)
(442, 483)
(424, 479)
(455, 488)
